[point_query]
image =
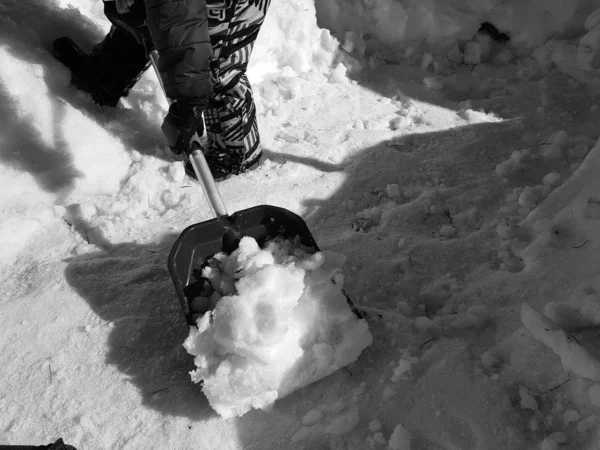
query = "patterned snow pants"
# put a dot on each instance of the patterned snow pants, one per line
(230, 119)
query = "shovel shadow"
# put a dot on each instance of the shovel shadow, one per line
(129, 286)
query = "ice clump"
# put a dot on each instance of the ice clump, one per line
(286, 325)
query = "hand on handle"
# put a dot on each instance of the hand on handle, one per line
(182, 127)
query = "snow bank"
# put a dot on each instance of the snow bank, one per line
(578, 58)
(400, 438)
(398, 23)
(290, 41)
(573, 356)
(282, 324)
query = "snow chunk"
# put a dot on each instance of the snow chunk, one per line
(344, 423)
(552, 179)
(400, 438)
(472, 53)
(176, 173)
(286, 325)
(378, 437)
(312, 417)
(375, 425)
(447, 231)
(551, 151)
(351, 38)
(527, 400)
(434, 83)
(307, 433)
(560, 138)
(404, 366)
(426, 60)
(338, 75)
(553, 441)
(338, 406)
(530, 197)
(423, 323)
(393, 190)
(462, 321)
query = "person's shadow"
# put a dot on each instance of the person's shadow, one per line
(129, 286)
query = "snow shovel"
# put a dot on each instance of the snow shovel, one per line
(200, 242)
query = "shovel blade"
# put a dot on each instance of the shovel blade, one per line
(199, 242)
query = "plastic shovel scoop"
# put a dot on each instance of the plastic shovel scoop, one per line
(200, 242)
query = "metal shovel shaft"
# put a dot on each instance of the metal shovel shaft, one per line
(197, 159)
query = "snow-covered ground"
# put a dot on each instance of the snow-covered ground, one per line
(460, 183)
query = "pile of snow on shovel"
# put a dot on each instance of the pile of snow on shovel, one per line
(277, 321)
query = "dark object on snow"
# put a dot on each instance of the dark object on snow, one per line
(493, 32)
(58, 445)
(114, 65)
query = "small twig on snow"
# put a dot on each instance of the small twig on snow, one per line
(447, 212)
(546, 138)
(50, 372)
(125, 182)
(427, 342)
(376, 310)
(395, 144)
(159, 390)
(555, 387)
(580, 245)
(571, 338)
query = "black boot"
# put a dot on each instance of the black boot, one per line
(109, 71)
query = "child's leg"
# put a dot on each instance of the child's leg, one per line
(232, 129)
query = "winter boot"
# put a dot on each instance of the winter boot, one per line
(109, 71)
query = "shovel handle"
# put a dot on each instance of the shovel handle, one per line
(197, 159)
